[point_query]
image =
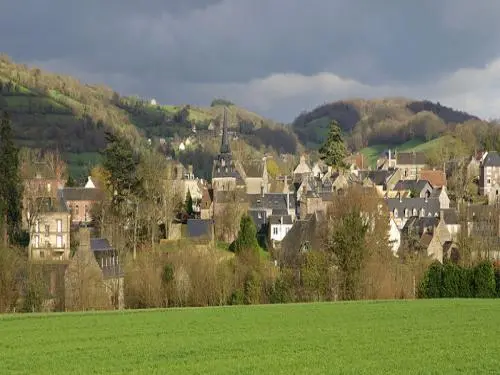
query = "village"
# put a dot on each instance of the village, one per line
(286, 211)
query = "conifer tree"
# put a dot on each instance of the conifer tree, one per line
(189, 203)
(247, 236)
(333, 151)
(11, 187)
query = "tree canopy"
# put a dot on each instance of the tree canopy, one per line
(333, 151)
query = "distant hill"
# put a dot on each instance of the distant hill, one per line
(49, 110)
(380, 121)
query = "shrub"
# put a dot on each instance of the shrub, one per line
(253, 286)
(430, 286)
(466, 289)
(484, 280)
(452, 279)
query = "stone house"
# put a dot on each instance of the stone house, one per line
(427, 233)
(255, 176)
(81, 200)
(410, 164)
(206, 204)
(279, 225)
(302, 171)
(382, 180)
(88, 286)
(411, 188)
(401, 209)
(489, 175)
(50, 234)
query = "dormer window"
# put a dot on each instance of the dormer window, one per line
(395, 212)
(415, 213)
(407, 212)
(422, 212)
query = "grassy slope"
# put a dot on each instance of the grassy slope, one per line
(372, 153)
(405, 337)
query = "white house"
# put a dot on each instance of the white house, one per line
(279, 225)
(394, 236)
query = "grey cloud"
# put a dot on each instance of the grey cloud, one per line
(167, 49)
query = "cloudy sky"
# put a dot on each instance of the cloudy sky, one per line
(277, 57)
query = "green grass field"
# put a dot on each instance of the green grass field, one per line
(404, 337)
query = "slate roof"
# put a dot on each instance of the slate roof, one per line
(225, 166)
(259, 218)
(53, 204)
(378, 177)
(492, 159)
(412, 185)
(280, 219)
(271, 201)
(82, 194)
(436, 178)
(199, 228)
(254, 168)
(430, 205)
(229, 196)
(418, 224)
(406, 158)
(100, 244)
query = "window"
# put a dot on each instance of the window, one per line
(59, 242)
(415, 213)
(42, 254)
(59, 225)
(37, 226)
(47, 230)
(422, 212)
(407, 212)
(489, 180)
(86, 211)
(259, 215)
(49, 187)
(37, 241)
(275, 230)
(77, 210)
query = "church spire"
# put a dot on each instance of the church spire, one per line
(224, 147)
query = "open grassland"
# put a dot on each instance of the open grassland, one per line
(404, 337)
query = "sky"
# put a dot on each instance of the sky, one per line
(275, 57)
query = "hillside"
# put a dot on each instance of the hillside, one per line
(56, 111)
(397, 337)
(382, 121)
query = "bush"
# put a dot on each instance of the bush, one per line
(237, 297)
(466, 289)
(281, 291)
(430, 286)
(452, 280)
(253, 286)
(484, 280)
(497, 281)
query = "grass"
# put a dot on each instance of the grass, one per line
(372, 153)
(397, 337)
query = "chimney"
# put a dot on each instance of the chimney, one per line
(262, 190)
(285, 184)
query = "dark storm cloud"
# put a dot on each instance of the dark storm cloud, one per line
(167, 48)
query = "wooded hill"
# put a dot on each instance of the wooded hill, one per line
(57, 111)
(380, 121)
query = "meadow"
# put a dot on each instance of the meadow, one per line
(397, 337)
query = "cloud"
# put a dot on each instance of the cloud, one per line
(261, 52)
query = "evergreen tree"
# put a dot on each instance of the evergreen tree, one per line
(70, 182)
(333, 151)
(247, 236)
(11, 186)
(121, 162)
(189, 203)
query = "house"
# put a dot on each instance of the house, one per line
(81, 200)
(474, 165)
(451, 220)
(427, 233)
(279, 225)
(319, 169)
(411, 189)
(356, 162)
(85, 288)
(489, 175)
(255, 176)
(260, 219)
(410, 164)
(387, 161)
(442, 195)
(50, 234)
(394, 236)
(109, 261)
(274, 201)
(401, 209)
(206, 204)
(435, 177)
(382, 180)
(302, 171)
(303, 236)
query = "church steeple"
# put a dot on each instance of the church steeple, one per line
(224, 147)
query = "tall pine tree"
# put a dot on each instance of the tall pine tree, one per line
(333, 151)
(121, 162)
(11, 186)
(189, 204)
